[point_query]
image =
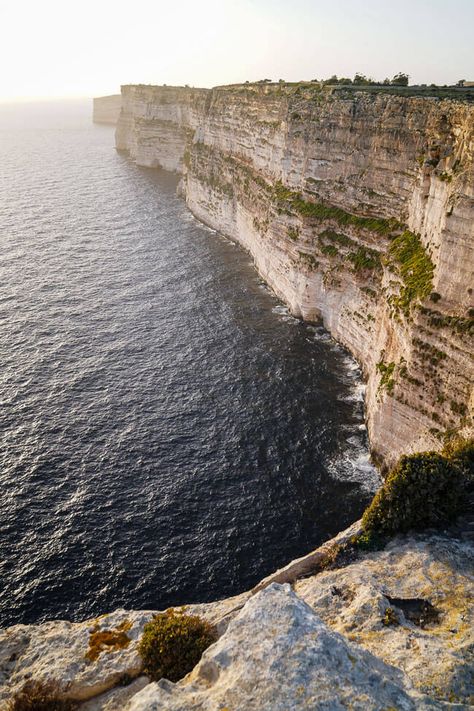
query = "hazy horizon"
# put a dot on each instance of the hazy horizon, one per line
(55, 51)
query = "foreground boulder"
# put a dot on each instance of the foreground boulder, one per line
(87, 659)
(276, 655)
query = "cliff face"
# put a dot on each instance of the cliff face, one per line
(358, 209)
(106, 109)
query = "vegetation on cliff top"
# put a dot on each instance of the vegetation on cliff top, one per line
(399, 79)
(40, 696)
(346, 87)
(424, 490)
(172, 644)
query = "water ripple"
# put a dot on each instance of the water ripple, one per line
(169, 432)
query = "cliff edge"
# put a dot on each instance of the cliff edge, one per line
(392, 629)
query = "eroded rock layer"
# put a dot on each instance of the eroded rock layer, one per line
(358, 209)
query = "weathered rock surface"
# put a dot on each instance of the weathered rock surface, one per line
(61, 651)
(106, 109)
(278, 655)
(254, 157)
(438, 655)
(57, 650)
(115, 699)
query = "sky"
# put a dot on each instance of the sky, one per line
(70, 48)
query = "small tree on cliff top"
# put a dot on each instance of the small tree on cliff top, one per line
(400, 79)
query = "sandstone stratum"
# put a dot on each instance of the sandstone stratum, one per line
(358, 209)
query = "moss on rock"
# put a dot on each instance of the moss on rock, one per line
(108, 640)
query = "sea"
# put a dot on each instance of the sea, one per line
(169, 433)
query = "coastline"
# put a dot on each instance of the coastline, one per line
(289, 175)
(324, 629)
(315, 321)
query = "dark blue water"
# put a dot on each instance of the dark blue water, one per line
(169, 433)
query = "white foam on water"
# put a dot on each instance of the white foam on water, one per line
(354, 465)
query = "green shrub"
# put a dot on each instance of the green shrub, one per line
(387, 381)
(323, 211)
(369, 541)
(40, 696)
(172, 644)
(461, 452)
(364, 258)
(337, 237)
(329, 250)
(445, 177)
(424, 490)
(293, 233)
(390, 617)
(459, 408)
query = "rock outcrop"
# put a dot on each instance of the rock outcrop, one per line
(411, 605)
(277, 654)
(96, 659)
(393, 629)
(106, 109)
(358, 209)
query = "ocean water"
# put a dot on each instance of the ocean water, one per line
(169, 433)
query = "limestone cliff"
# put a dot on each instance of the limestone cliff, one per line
(358, 209)
(106, 109)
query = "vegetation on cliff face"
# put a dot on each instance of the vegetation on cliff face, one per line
(173, 643)
(362, 258)
(314, 216)
(321, 211)
(409, 259)
(457, 324)
(424, 490)
(387, 381)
